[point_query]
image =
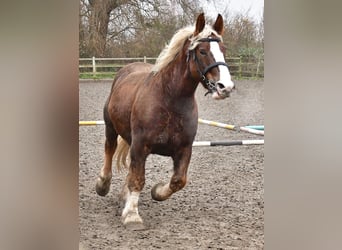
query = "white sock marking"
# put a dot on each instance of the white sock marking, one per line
(131, 204)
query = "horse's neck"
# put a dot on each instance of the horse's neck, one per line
(177, 80)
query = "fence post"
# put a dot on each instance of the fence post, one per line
(144, 59)
(240, 67)
(257, 71)
(94, 66)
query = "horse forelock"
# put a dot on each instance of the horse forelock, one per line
(175, 45)
(207, 31)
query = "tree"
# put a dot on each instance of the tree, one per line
(136, 28)
(97, 13)
(104, 22)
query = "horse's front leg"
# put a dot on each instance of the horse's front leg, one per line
(134, 184)
(178, 180)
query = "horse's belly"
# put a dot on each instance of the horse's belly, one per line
(162, 150)
(168, 144)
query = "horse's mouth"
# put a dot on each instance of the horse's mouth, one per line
(220, 96)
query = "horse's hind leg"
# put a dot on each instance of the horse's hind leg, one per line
(181, 160)
(105, 177)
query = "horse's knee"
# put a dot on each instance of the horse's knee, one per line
(177, 183)
(136, 183)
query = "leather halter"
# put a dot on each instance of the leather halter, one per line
(209, 83)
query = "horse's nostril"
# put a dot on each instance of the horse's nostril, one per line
(220, 85)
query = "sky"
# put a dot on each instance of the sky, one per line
(254, 7)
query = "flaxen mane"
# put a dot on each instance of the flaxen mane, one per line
(176, 44)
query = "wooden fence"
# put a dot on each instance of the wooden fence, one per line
(239, 67)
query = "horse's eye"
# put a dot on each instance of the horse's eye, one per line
(203, 52)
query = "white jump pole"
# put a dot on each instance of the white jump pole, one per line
(227, 143)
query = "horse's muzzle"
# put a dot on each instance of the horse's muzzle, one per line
(222, 90)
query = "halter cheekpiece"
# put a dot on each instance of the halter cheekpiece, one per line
(209, 83)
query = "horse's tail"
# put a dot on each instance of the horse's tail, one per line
(121, 154)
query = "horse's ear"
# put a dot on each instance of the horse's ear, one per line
(200, 23)
(218, 25)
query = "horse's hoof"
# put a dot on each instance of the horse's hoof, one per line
(133, 221)
(155, 195)
(134, 226)
(102, 186)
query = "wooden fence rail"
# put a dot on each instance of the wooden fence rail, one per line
(97, 67)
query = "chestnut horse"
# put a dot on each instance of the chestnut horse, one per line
(152, 108)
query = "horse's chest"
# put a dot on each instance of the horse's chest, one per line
(175, 130)
(170, 129)
(165, 131)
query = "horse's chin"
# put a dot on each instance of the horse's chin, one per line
(217, 96)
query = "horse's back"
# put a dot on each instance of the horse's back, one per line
(129, 78)
(126, 84)
(132, 68)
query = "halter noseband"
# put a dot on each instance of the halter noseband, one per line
(209, 83)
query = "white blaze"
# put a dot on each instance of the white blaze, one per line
(225, 77)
